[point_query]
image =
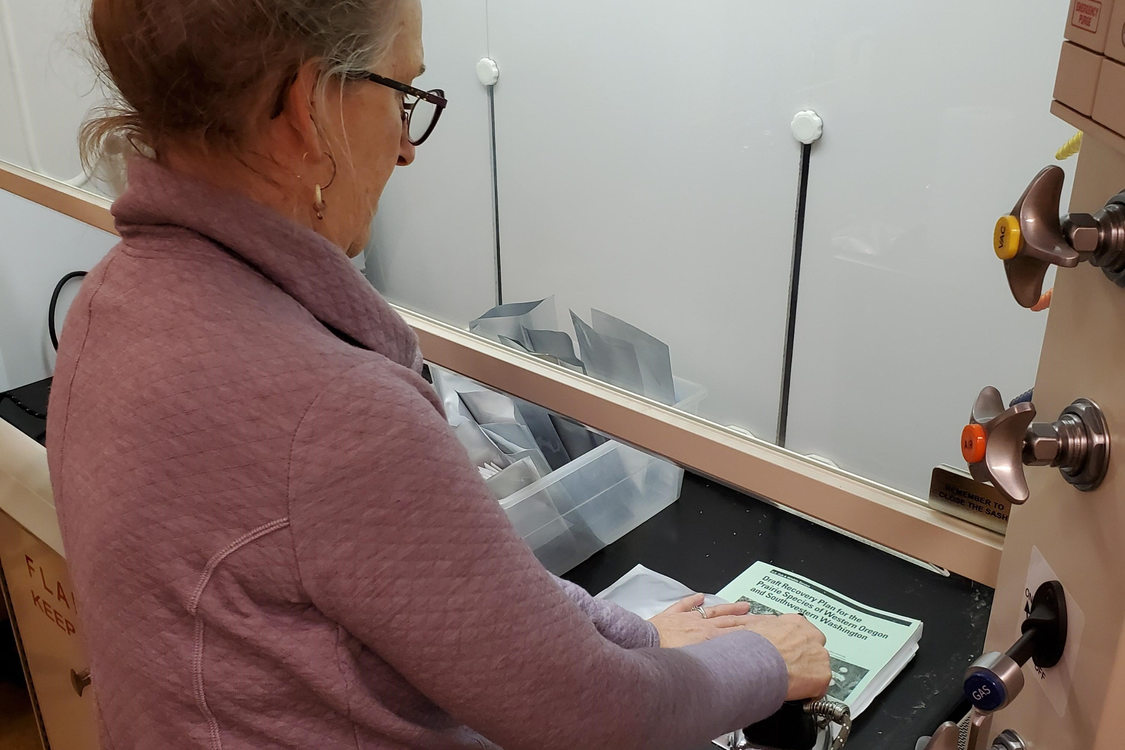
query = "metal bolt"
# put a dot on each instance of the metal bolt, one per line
(1083, 232)
(80, 680)
(1041, 446)
(1009, 740)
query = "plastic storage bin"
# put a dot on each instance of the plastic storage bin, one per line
(597, 498)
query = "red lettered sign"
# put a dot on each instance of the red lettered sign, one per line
(47, 594)
(1086, 15)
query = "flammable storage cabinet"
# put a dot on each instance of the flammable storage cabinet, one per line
(40, 599)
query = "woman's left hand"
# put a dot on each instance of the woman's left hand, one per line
(682, 625)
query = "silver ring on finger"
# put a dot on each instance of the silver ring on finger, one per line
(702, 612)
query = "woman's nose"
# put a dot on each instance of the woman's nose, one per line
(405, 149)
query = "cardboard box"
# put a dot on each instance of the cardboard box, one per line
(1087, 23)
(1115, 34)
(1076, 83)
(1109, 102)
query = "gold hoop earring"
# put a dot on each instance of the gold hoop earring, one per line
(319, 205)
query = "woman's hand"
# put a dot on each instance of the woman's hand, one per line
(801, 645)
(798, 641)
(682, 625)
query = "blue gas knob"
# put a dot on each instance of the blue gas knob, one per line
(985, 685)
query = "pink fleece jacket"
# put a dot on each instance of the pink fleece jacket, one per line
(277, 541)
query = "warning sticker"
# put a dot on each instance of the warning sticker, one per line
(1086, 15)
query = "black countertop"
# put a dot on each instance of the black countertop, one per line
(712, 533)
(26, 408)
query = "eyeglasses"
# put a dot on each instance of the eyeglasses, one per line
(420, 113)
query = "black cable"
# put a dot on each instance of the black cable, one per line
(54, 303)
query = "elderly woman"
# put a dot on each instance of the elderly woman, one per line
(276, 540)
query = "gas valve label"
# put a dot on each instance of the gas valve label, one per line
(1056, 681)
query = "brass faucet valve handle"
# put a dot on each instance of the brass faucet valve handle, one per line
(993, 443)
(998, 442)
(1031, 239)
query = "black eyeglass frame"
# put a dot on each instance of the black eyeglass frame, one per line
(435, 97)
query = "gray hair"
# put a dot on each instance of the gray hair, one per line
(197, 72)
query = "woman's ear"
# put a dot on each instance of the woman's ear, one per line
(300, 130)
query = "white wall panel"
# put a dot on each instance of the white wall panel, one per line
(433, 244)
(55, 80)
(933, 127)
(13, 145)
(37, 248)
(646, 169)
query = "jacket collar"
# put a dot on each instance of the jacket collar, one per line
(301, 262)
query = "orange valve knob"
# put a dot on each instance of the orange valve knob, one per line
(973, 443)
(1007, 238)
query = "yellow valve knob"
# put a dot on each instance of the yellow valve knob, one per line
(1006, 240)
